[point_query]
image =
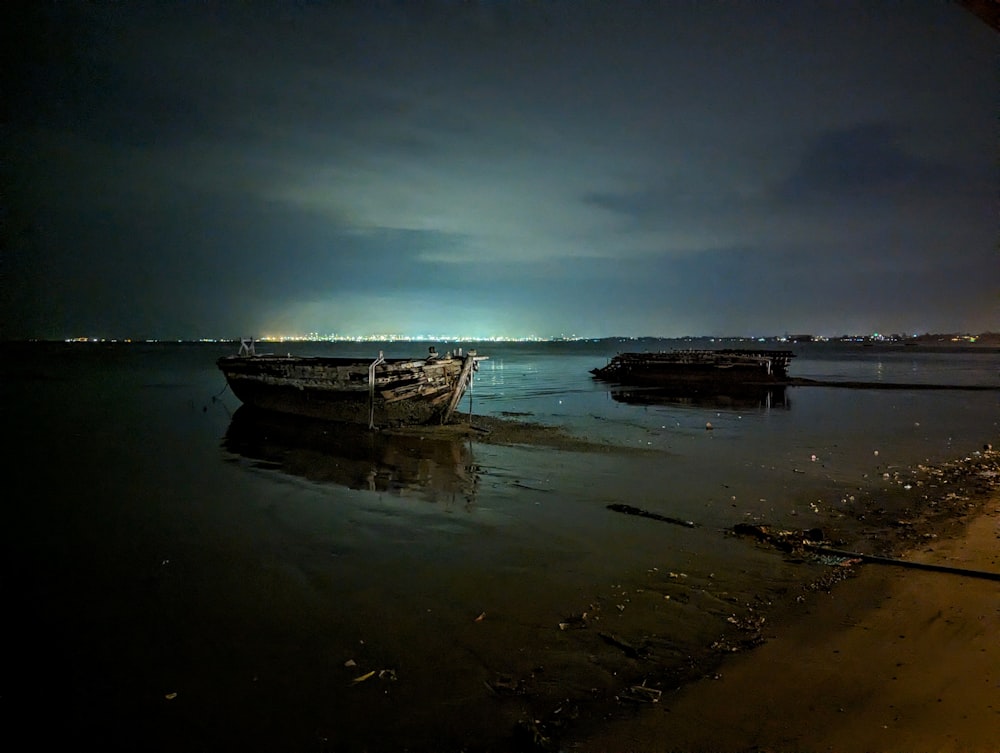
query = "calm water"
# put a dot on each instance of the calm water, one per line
(183, 576)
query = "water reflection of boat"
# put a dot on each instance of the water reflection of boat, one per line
(352, 456)
(730, 397)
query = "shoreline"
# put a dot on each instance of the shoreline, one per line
(773, 682)
(890, 659)
(510, 430)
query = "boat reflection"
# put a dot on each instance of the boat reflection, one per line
(730, 397)
(352, 456)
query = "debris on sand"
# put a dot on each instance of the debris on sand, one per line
(630, 510)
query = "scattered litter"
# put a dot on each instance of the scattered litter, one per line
(480, 618)
(170, 696)
(362, 678)
(836, 561)
(575, 621)
(783, 539)
(641, 694)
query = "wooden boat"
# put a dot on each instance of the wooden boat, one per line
(697, 367)
(380, 392)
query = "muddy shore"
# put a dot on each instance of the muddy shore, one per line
(892, 661)
(885, 658)
(874, 658)
(511, 430)
(866, 657)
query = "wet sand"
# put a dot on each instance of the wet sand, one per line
(894, 659)
(871, 658)
(511, 430)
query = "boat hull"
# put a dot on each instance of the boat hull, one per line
(402, 392)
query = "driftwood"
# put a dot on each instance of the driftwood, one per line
(629, 510)
(641, 694)
(627, 648)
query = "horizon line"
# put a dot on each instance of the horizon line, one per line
(388, 337)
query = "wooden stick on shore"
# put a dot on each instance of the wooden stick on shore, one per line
(629, 510)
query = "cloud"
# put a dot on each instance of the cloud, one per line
(861, 162)
(226, 164)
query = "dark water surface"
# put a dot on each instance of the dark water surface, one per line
(183, 576)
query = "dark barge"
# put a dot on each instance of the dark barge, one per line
(697, 367)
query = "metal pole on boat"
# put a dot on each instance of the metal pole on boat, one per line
(472, 380)
(371, 389)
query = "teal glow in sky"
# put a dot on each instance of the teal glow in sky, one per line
(504, 168)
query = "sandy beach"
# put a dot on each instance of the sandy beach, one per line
(894, 659)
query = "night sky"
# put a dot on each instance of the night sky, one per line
(211, 169)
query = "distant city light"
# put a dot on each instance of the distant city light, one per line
(393, 337)
(875, 337)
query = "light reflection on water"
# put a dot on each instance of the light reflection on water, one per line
(353, 456)
(243, 563)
